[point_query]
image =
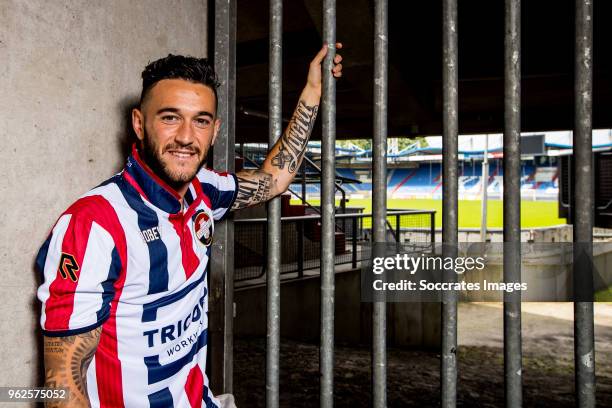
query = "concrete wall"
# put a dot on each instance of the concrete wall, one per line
(70, 71)
(556, 233)
(408, 324)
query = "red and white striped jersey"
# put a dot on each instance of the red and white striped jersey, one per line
(131, 256)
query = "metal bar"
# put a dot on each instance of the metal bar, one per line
(450, 188)
(338, 216)
(484, 191)
(354, 243)
(264, 239)
(275, 78)
(303, 183)
(303, 197)
(300, 248)
(512, 204)
(391, 229)
(397, 228)
(379, 196)
(338, 177)
(584, 343)
(432, 232)
(342, 199)
(342, 205)
(222, 260)
(328, 142)
(257, 114)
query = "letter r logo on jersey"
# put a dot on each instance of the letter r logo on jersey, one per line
(68, 266)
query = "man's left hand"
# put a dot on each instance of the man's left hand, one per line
(314, 73)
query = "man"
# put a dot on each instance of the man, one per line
(124, 294)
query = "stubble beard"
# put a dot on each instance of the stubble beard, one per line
(156, 163)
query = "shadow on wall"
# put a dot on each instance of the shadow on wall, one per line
(126, 136)
(124, 140)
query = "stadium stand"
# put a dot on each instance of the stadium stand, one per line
(425, 181)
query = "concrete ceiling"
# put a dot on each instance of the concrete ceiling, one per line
(415, 70)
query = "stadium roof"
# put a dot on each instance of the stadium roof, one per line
(474, 145)
(415, 68)
(469, 145)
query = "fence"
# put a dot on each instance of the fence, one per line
(301, 243)
(222, 265)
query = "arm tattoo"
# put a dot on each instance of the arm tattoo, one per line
(66, 362)
(293, 142)
(253, 188)
(285, 158)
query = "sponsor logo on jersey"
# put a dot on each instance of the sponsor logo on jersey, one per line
(68, 267)
(150, 234)
(203, 227)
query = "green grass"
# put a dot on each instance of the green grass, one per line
(533, 213)
(604, 295)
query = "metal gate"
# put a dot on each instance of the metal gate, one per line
(222, 268)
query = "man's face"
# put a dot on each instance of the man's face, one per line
(176, 126)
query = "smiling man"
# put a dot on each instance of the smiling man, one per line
(124, 293)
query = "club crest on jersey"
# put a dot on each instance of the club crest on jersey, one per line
(203, 227)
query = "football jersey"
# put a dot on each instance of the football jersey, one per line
(132, 257)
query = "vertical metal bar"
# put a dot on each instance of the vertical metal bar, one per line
(432, 232)
(397, 228)
(222, 260)
(512, 203)
(303, 183)
(328, 142)
(484, 192)
(379, 195)
(354, 247)
(342, 206)
(274, 208)
(584, 344)
(450, 185)
(300, 248)
(264, 251)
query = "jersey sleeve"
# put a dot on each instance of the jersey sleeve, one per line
(221, 189)
(79, 264)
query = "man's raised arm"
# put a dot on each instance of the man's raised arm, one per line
(285, 157)
(66, 362)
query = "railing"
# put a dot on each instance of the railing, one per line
(301, 244)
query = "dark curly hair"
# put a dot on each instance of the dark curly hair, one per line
(198, 70)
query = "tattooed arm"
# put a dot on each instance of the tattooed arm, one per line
(285, 157)
(66, 362)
